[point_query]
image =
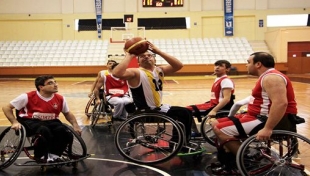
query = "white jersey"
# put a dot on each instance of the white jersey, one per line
(148, 93)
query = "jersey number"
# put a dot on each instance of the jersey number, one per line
(158, 85)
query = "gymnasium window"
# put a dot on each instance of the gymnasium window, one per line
(164, 23)
(91, 25)
(288, 20)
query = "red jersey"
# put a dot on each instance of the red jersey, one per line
(38, 108)
(216, 90)
(115, 87)
(260, 102)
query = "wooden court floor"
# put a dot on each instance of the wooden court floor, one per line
(181, 91)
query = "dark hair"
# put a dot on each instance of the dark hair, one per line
(40, 80)
(114, 65)
(111, 61)
(220, 62)
(266, 59)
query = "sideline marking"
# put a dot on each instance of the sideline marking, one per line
(125, 162)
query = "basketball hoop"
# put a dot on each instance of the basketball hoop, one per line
(122, 34)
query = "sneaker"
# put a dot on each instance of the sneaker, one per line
(56, 160)
(40, 160)
(52, 158)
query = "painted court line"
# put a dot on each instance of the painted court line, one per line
(125, 162)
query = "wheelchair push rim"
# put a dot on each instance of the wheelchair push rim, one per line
(286, 153)
(142, 140)
(11, 143)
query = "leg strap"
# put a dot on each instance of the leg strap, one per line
(238, 126)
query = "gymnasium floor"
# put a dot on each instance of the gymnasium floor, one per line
(105, 159)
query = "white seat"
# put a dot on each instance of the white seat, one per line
(237, 40)
(231, 40)
(194, 41)
(181, 41)
(212, 40)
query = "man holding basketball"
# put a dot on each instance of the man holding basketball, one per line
(146, 83)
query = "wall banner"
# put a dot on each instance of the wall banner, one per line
(98, 6)
(229, 17)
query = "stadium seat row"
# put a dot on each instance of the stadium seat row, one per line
(95, 52)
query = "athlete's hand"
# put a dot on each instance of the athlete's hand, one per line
(263, 134)
(90, 94)
(77, 129)
(212, 114)
(97, 101)
(16, 126)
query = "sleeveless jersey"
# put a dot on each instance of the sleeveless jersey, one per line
(260, 102)
(115, 87)
(104, 73)
(216, 91)
(148, 94)
(37, 108)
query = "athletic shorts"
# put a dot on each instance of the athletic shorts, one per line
(228, 127)
(202, 107)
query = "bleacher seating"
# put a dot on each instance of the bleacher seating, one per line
(95, 52)
(206, 50)
(53, 53)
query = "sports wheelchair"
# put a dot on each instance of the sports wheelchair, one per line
(152, 137)
(12, 143)
(285, 153)
(205, 128)
(94, 112)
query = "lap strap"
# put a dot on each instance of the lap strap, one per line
(238, 126)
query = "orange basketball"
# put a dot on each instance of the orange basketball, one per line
(136, 45)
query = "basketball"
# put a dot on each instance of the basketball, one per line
(136, 45)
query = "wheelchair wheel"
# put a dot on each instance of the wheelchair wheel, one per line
(11, 145)
(206, 128)
(286, 153)
(149, 138)
(96, 112)
(207, 131)
(88, 110)
(78, 148)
